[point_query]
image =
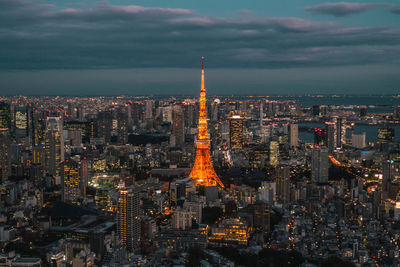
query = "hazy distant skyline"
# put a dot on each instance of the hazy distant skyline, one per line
(154, 47)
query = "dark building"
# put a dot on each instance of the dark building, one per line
(315, 110)
(320, 137)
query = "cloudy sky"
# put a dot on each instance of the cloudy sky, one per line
(136, 47)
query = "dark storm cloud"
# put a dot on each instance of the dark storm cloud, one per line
(34, 36)
(341, 9)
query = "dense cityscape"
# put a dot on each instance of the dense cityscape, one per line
(196, 181)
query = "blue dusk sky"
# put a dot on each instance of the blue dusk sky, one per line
(154, 47)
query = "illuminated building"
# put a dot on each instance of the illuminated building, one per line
(5, 117)
(128, 223)
(319, 165)
(230, 232)
(385, 135)
(178, 129)
(331, 144)
(54, 146)
(236, 132)
(320, 137)
(5, 159)
(273, 153)
(38, 163)
(21, 124)
(182, 219)
(323, 110)
(203, 171)
(340, 132)
(71, 181)
(294, 134)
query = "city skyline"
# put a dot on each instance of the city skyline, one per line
(142, 47)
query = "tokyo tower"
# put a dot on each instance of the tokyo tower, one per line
(203, 171)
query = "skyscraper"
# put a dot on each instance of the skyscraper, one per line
(203, 171)
(71, 181)
(178, 129)
(21, 124)
(128, 222)
(331, 136)
(54, 146)
(5, 117)
(5, 159)
(282, 179)
(294, 134)
(273, 153)
(319, 165)
(340, 134)
(236, 132)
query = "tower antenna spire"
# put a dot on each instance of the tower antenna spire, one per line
(203, 171)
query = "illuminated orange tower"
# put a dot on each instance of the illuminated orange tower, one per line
(203, 171)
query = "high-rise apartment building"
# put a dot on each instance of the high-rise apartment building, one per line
(128, 222)
(319, 165)
(294, 134)
(282, 179)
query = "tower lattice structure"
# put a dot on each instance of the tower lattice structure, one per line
(203, 171)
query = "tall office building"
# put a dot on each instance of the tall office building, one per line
(149, 104)
(178, 127)
(105, 125)
(71, 181)
(128, 222)
(21, 124)
(5, 117)
(38, 163)
(203, 171)
(54, 146)
(273, 153)
(319, 165)
(294, 134)
(236, 132)
(5, 159)
(282, 180)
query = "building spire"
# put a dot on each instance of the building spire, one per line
(202, 74)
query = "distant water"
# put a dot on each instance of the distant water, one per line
(376, 104)
(371, 131)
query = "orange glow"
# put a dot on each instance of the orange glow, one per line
(203, 171)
